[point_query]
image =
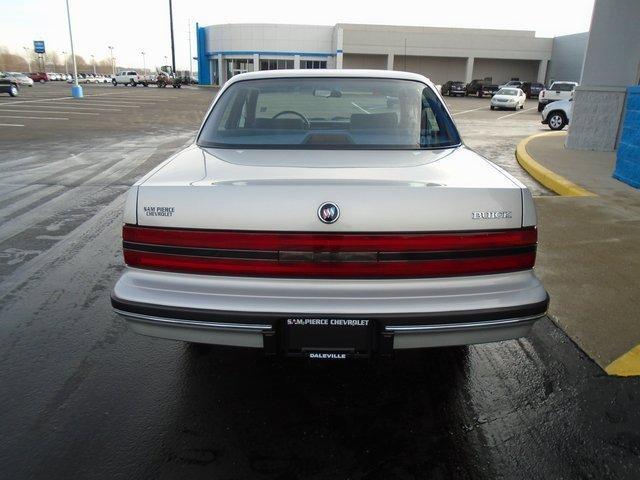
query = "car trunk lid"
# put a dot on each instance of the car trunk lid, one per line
(376, 191)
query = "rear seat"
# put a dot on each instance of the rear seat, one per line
(279, 123)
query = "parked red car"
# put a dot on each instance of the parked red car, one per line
(39, 77)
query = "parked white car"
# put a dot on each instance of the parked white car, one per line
(128, 77)
(557, 91)
(81, 79)
(511, 98)
(558, 114)
(329, 214)
(512, 84)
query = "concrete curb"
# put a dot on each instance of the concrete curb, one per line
(546, 177)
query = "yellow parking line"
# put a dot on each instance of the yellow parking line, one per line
(626, 365)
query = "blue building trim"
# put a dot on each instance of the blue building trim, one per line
(628, 156)
(284, 54)
(204, 66)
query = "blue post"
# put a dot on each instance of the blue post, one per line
(628, 156)
(76, 91)
(204, 67)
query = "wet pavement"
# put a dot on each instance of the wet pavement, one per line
(84, 397)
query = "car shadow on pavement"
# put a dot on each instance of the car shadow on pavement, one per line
(246, 416)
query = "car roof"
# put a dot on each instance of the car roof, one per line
(330, 73)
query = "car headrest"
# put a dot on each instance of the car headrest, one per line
(374, 120)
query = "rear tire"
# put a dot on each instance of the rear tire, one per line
(479, 94)
(13, 91)
(114, 83)
(132, 82)
(521, 107)
(492, 107)
(540, 107)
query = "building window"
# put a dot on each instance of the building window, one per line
(313, 64)
(276, 64)
(237, 66)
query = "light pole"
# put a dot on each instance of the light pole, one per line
(173, 47)
(144, 64)
(26, 54)
(166, 60)
(93, 60)
(190, 55)
(66, 70)
(76, 90)
(113, 65)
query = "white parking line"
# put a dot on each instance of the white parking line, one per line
(117, 103)
(34, 118)
(467, 111)
(54, 99)
(10, 125)
(358, 106)
(46, 111)
(133, 99)
(516, 113)
(69, 107)
(109, 105)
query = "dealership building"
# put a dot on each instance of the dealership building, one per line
(439, 53)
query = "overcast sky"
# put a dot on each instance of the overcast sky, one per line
(132, 26)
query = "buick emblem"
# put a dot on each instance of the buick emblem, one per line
(328, 212)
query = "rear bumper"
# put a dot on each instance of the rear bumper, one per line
(250, 312)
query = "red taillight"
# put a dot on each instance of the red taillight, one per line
(400, 242)
(329, 255)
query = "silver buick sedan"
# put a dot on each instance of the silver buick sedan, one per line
(329, 214)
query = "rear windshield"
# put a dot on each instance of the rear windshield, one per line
(508, 91)
(563, 87)
(321, 113)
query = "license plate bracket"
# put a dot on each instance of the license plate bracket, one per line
(306, 336)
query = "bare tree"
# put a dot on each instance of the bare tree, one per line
(11, 62)
(53, 60)
(103, 66)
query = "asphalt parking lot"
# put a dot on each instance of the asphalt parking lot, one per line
(84, 397)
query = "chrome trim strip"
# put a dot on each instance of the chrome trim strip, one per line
(462, 326)
(245, 327)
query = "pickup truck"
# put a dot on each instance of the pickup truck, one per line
(130, 77)
(557, 91)
(481, 88)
